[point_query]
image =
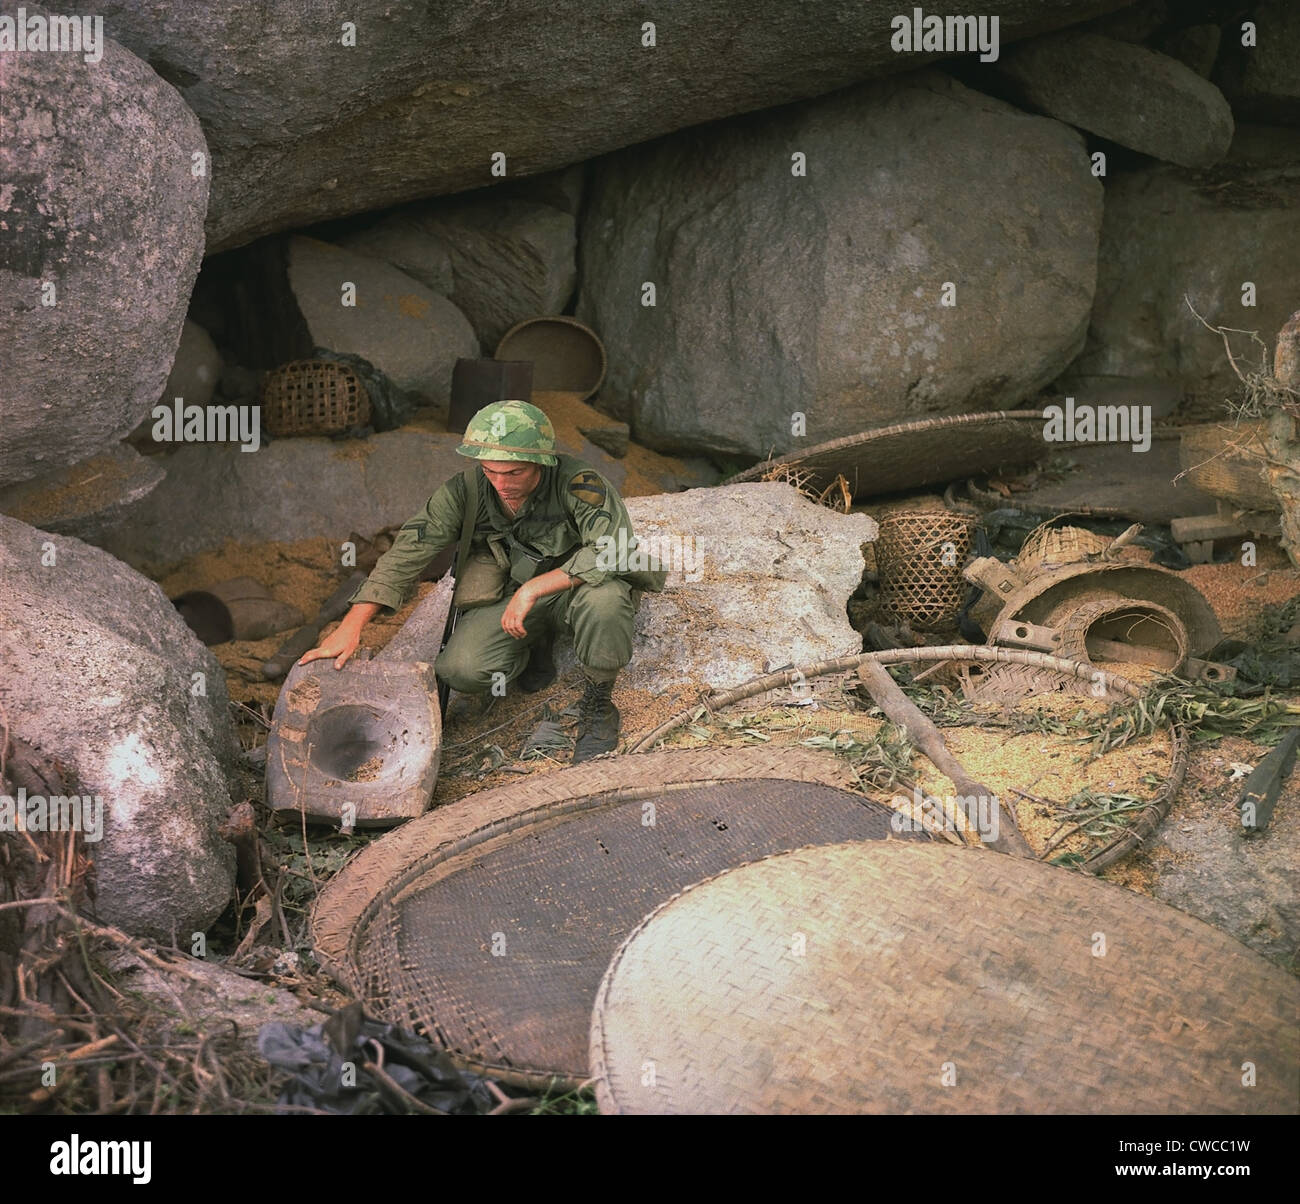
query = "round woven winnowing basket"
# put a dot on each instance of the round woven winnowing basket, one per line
(920, 556)
(900, 978)
(486, 924)
(567, 355)
(908, 455)
(1227, 461)
(313, 397)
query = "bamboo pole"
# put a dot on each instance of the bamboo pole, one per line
(923, 733)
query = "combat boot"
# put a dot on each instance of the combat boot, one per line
(598, 721)
(540, 670)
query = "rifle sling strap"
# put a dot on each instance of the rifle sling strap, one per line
(467, 523)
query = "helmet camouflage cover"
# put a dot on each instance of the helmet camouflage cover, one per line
(510, 430)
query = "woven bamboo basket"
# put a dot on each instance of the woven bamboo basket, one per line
(409, 925)
(567, 355)
(924, 957)
(314, 397)
(1048, 547)
(1103, 626)
(920, 556)
(1228, 462)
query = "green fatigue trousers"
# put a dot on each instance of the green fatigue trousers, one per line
(599, 617)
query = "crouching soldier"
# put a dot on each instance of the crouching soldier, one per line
(543, 541)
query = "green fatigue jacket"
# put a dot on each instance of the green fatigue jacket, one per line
(560, 525)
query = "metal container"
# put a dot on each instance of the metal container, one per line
(476, 383)
(237, 609)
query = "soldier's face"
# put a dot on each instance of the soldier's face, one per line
(512, 479)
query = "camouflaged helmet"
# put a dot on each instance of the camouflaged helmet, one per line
(510, 430)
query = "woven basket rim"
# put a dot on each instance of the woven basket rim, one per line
(758, 870)
(563, 320)
(348, 902)
(965, 520)
(918, 426)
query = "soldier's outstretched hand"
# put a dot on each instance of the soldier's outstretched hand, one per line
(341, 643)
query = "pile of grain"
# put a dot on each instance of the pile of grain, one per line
(647, 471)
(1053, 767)
(1237, 594)
(303, 572)
(368, 771)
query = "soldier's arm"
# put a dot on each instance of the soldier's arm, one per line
(600, 515)
(394, 576)
(417, 542)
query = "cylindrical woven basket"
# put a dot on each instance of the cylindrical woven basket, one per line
(1228, 462)
(920, 556)
(314, 397)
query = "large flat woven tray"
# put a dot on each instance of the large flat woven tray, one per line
(899, 978)
(909, 455)
(487, 924)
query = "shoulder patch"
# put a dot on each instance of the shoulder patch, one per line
(588, 487)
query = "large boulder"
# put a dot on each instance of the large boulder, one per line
(101, 234)
(296, 489)
(822, 294)
(758, 577)
(1195, 46)
(305, 126)
(87, 499)
(1132, 23)
(407, 331)
(1137, 97)
(98, 671)
(288, 489)
(1261, 80)
(1173, 238)
(499, 259)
